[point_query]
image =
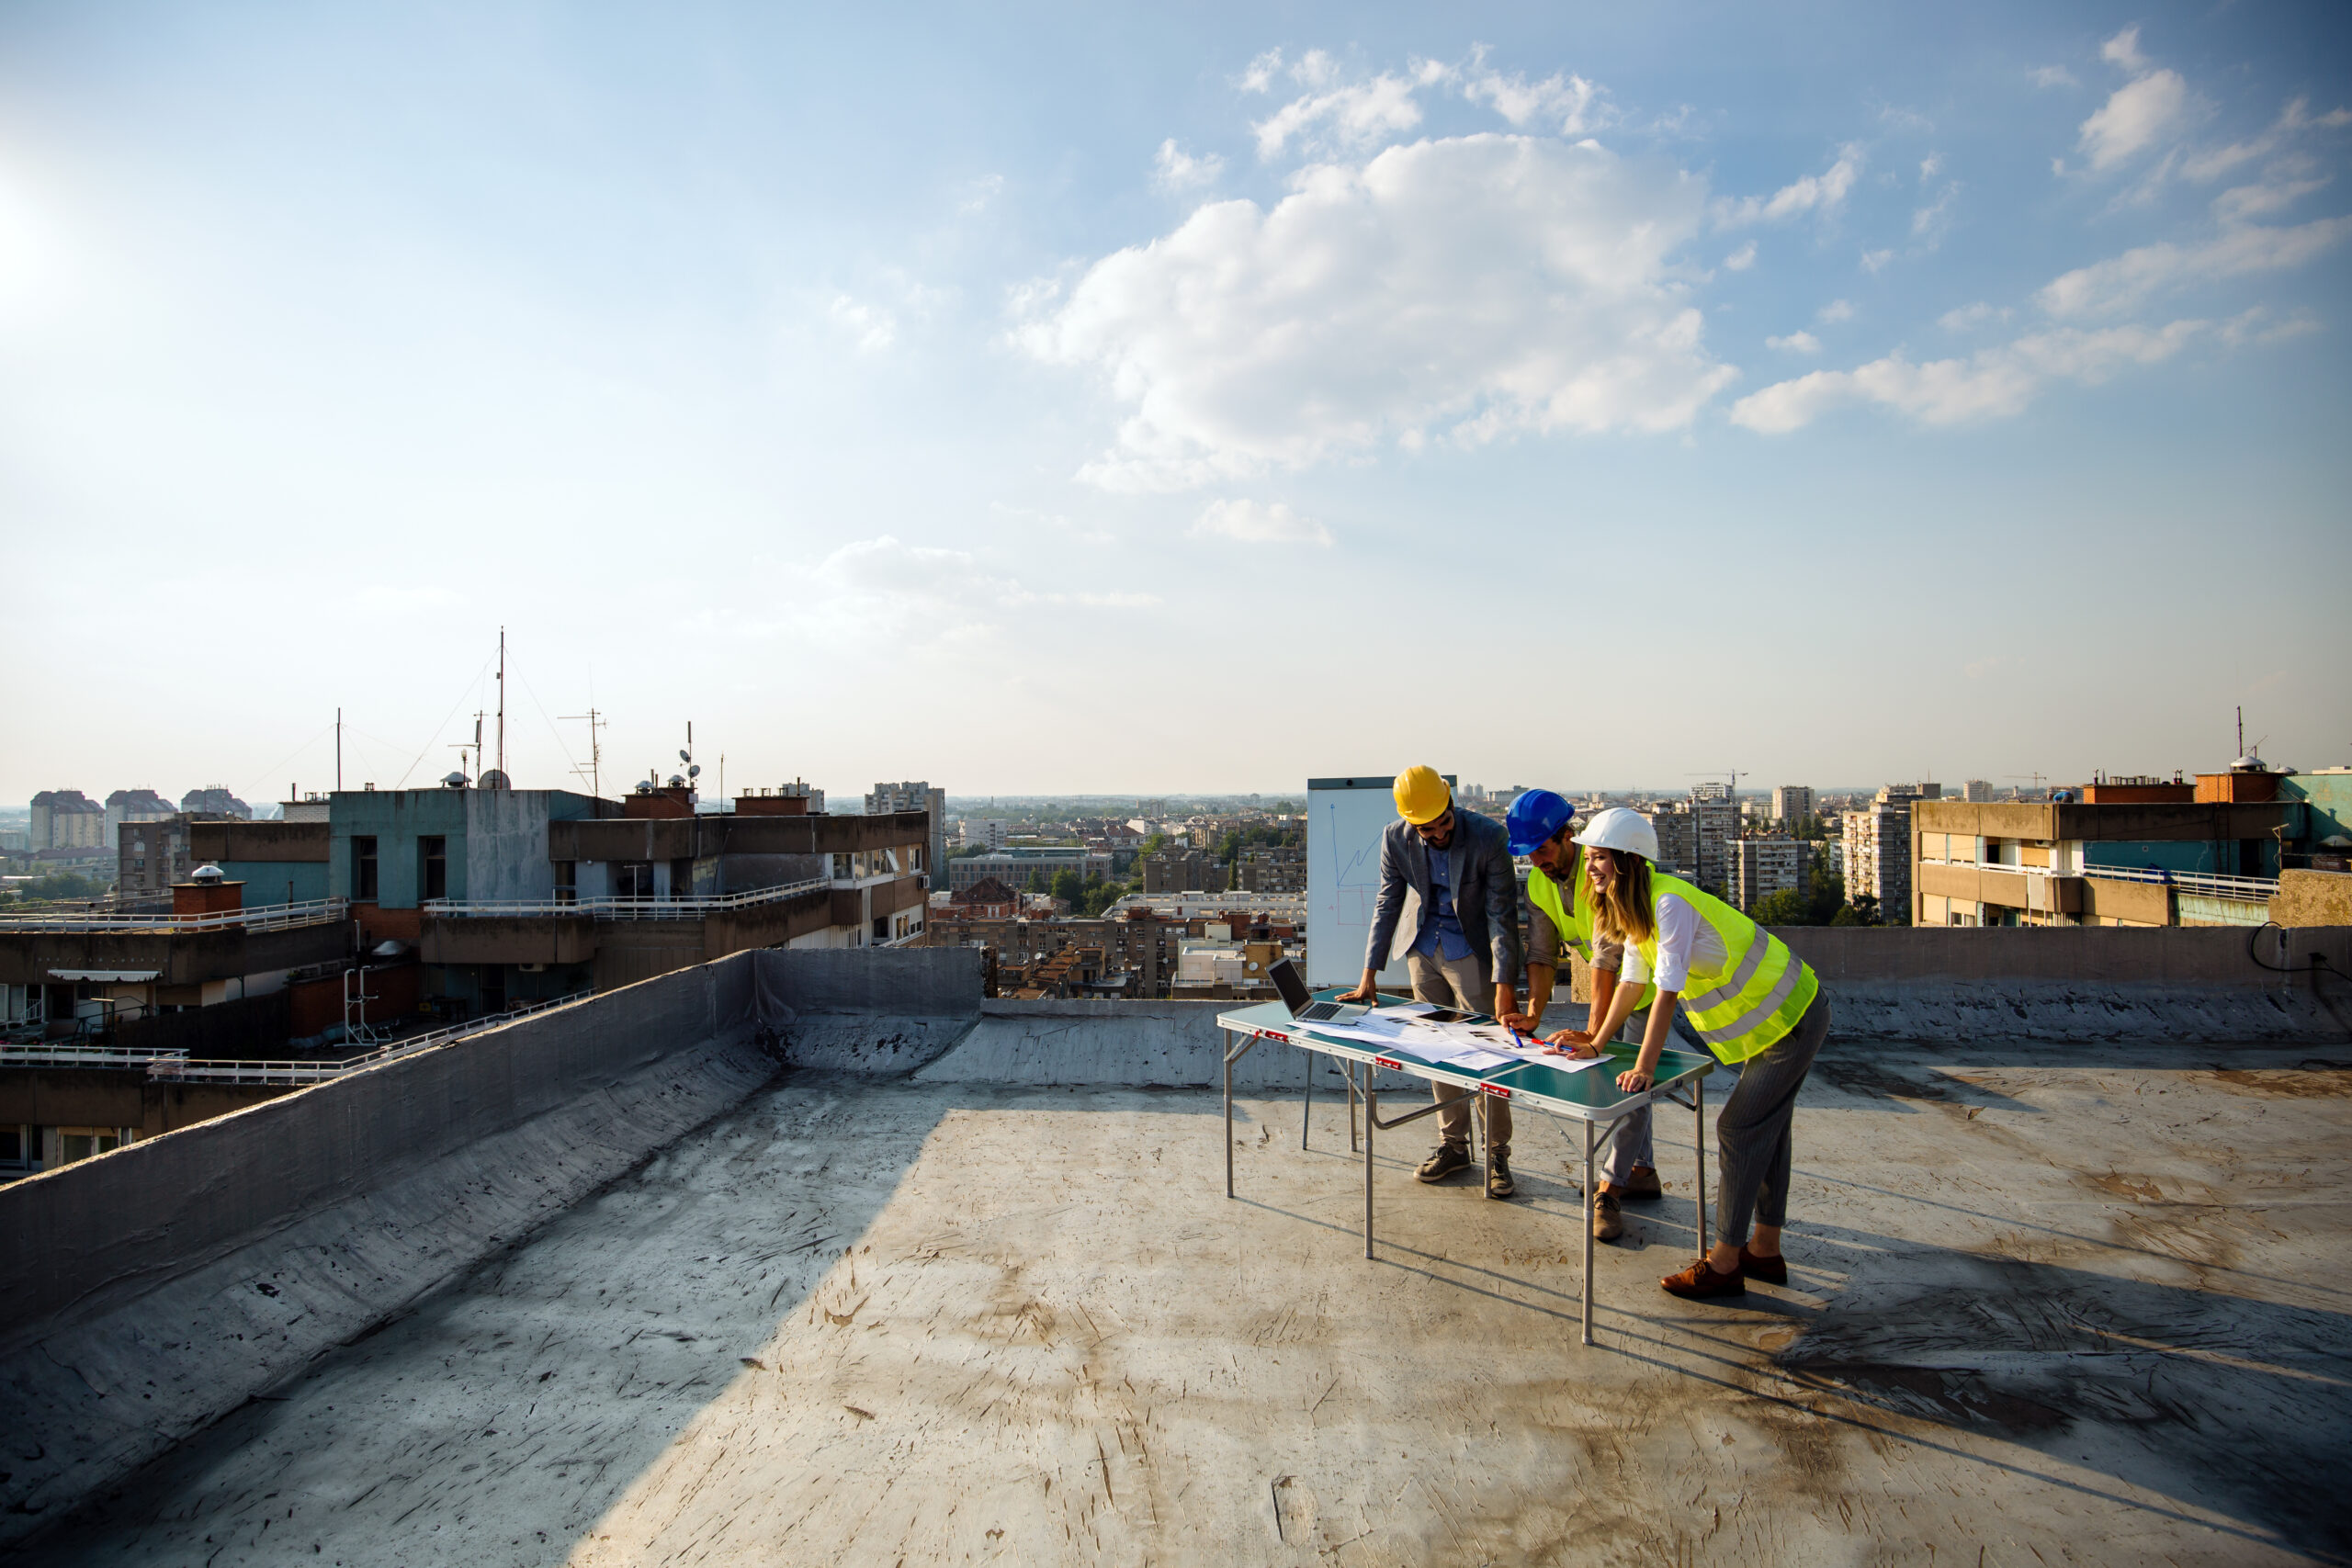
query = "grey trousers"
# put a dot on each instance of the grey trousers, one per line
(1468, 984)
(1752, 1135)
(1629, 1137)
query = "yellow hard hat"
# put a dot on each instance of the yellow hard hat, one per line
(1421, 796)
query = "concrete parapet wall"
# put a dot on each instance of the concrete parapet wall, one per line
(145, 1291)
(2177, 956)
(909, 982)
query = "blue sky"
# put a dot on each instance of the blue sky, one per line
(1192, 398)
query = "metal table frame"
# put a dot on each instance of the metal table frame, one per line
(1677, 1071)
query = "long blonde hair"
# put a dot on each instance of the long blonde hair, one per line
(1624, 913)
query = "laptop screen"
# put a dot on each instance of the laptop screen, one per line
(1295, 996)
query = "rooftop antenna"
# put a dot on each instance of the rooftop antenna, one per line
(338, 748)
(2241, 751)
(501, 702)
(594, 770)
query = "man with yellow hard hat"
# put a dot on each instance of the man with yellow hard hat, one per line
(1461, 947)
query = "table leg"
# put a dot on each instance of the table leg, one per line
(1588, 1232)
(1350, 1069)
(1699, 1141)
(1371, 1119)
(1306, 1104)
(1229, 1123)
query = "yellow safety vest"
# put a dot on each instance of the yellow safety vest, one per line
(1575, 928)
(1758, 995)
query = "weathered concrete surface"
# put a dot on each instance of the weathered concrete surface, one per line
(2056, 1305)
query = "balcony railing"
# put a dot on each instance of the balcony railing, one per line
(2252, 889)
(179, 1069)
(65, 1054)
(260, 917)
(690, 908)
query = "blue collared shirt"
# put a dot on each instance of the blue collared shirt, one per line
(1441, 933)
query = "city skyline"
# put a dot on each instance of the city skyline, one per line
(1049, 400)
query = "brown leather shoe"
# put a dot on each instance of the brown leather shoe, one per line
(1772, 1270)
(1700, 1281)
(1641, 1186)
(1608, 1220)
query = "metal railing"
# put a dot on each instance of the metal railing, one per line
(689, 908)
(2254, 889)
(180, 1070)
(65, 1054)
(261, 918)
(2250, 888)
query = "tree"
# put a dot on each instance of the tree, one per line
(1786, 908)
(1156, 844)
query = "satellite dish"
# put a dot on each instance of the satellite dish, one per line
(496, 778)
(694, 771)
(684, 757)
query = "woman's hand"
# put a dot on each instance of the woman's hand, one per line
(1573, 1043)
(1633, 1080)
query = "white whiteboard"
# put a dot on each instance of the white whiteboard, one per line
(1344, 819)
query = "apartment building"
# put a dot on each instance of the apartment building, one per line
(1876, 843)
(1015, 866)
(2128, 851)
(1976, 792)
(1678, 839)
(1762, 866)
(1280, 870)
(67, 820)
(134, 805)
(1791, 802)
(914, 795)
(1188, 871)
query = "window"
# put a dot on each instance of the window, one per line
(567, 881)
(12, 1148)
(81, 1143)
(841, 868)
(363, 868)
(433, 868)
(633, 879)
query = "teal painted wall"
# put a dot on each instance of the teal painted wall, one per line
(268, 881)
(508, 861)
(2327, 800)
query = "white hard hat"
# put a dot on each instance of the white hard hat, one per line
(1621, 827)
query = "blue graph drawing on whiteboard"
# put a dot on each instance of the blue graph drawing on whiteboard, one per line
(1358, 892)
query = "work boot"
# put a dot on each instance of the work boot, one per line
(1639, 1186)
(1608, 1220)
(1499, 1181)
(1444, 1162)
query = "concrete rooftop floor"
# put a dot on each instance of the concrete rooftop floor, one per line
(2050, 1305)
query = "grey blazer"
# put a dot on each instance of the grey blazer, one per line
(1486, 894)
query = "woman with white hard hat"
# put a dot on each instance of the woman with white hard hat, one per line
(1753, 1002)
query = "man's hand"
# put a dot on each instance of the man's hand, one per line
(1526, 1023)
(1505, 1000)
(1367, 992)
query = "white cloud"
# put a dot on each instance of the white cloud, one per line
(2052, 77)
(1569, 104)
(2120, 283)
(2123, 50)
(2138, 114)
(1259, 77)
(1929, 222)
(1873, 261)
(1795, 342)
(984, 189)
(1992, 383)
(1177, 170)
(2260, 326)
(1346, 119)
(871, 327)
(1968, 317)
(1465, 289)
(1928, 165)
(1824, 192)
(1835, 310)
(923, 595)
(2293, 122)
(1741, 259)
(2274, 193)
(1253, 523)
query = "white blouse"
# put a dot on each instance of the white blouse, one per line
(1683, 940)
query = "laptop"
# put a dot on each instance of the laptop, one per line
(1301, 1001)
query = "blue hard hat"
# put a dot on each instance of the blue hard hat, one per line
(1535, 816)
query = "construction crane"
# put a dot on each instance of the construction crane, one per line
(2036, 779)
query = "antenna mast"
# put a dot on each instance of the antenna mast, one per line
(338, 748)
(595, 752)
(501, 702)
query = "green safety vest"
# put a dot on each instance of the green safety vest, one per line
(1760, 993)
(1575, 928)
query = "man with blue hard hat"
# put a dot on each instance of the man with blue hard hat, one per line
(1448, 908)
(1540, 824)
